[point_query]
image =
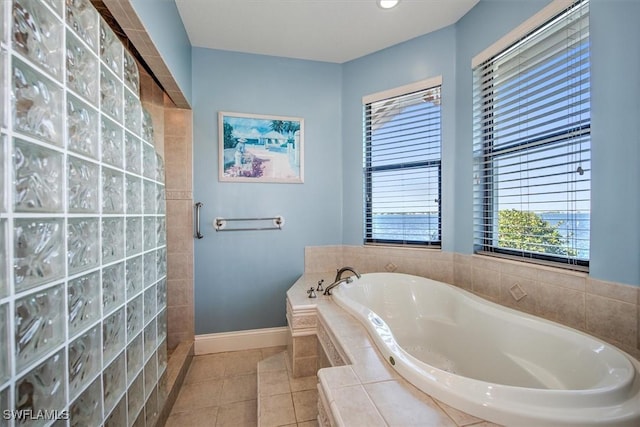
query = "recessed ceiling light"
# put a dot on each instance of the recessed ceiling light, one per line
(388, 4)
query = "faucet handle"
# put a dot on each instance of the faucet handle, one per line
(311, 292)
(319, 288)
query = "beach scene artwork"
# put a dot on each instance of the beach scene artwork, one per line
(260, 148)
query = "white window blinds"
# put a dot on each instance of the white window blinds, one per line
(532, 144)
(402, 168)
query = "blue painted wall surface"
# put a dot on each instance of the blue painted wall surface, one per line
(241, 277)
(164, 25)
(615, 131)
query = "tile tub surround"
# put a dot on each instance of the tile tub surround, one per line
(360, 388)
(606, 310)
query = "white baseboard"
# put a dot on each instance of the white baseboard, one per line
(240, 340)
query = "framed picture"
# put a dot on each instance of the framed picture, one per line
(259, 148)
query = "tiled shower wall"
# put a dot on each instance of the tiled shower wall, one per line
(82, 225)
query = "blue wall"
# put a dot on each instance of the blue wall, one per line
(164, 25)
(241, 277)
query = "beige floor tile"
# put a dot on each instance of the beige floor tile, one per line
(277, 410)
(205, 368)
(273, 363)
(460, 418)
(312, 423)
(272, 383)
(198, 395)
(238, 389)
(237, 414)
(241, 362)
(270, 351)
(305, 404)
(203, 417)
(303, 383)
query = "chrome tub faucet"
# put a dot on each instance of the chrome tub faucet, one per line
(339, 278)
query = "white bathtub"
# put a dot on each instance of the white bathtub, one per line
(490, 361)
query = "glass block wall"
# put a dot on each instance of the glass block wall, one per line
(82, 225)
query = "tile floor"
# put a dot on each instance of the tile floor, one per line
(222, 390)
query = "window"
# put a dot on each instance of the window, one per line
(532, 142)
(402, 165)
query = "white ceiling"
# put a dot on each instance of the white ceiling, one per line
(322, 30)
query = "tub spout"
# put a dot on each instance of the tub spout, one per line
(339, 279)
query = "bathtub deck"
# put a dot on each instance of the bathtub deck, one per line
(365, 390)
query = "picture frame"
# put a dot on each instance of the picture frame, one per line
(260, 148)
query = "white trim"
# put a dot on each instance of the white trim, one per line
(551, 10)
(240, 340)
(402, 90)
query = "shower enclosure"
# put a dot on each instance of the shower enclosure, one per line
(82, 225)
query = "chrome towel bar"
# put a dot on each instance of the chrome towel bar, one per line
(220, 224)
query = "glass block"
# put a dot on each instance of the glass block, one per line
(37, 104)
(5, 368)
(134, 195)
(113, 239)
(134, 276)
(4, 90)
(162, 356)
(111, 143)
(83, 295)
(4, 291)
(84, 360)
(112, 191)
(82, 17)
(133, 153)
(148, 161)
(150, 337)
(150, 375)
(110, 48)
(113, 382)
(149, 197)
(161, 207)
(39, 323)
(37, 34)
(87, 408)
(56, 5)
(149, 303)
(118, 417)
(135, 357)
(147, 127)
(82, 69)
(38, 251)
(159, 168)
(38, 178)
(161, 291)
(161, 262)
(113, 335)
(149, 271)
(82, 127)
(151, 406)
(131, 76)
(134, 235)
(149, 233)
(4, 394)
(83, 185)
(134, 316)
(83, 244)
(110, 94)
(132, 113)
(161, 322)
(43, 388)
(113, 286)
(135, 397)
(161, 230)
